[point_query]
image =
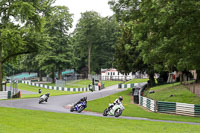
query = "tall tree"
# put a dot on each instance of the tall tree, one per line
(166, 31)
(95, 37)
(128, 56)
(57, 56)
(87, 31)
(19, 20)
(171, 34)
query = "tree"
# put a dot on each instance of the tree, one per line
(128, 56)
(95, 37)
(87, 32)
(172, 28)
(19, 22)
(57, 56)
(166, 31)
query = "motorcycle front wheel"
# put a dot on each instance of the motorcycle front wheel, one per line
(105, 113)
(72, 109)
(118, 112)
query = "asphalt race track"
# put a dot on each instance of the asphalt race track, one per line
(58, 103)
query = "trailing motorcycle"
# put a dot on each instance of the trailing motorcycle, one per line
(80, 105)
(116, 110)
(43, 98)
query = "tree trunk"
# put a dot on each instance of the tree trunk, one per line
(1, 78)
(181, 77)
(53, 76)
(198, 76)
(40, 75)
(89, 57)
(151, 79)
(59, 74)
(1, 70)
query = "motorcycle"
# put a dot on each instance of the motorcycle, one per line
(116, 110)
(79, 107)
(43, 98)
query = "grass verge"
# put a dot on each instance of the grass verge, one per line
(134, 110)
(85, 83)
(44, 91)
(180, 94)
(28, 121)
(136, 81)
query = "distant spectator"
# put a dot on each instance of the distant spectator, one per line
(99, 85)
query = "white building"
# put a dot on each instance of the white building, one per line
(113, 74)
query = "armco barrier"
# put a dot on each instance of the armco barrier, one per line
(131, 85)
(5, 94)
(197, 110)
(170, 107)
(166, 107)
(125, 85)
(54, 87)
(148, 103)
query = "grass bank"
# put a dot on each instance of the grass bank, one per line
(28, 121)
(136, 81)
(178, 92)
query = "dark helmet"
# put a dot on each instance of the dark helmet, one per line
(85, 98)
(48, 94)
(120, 98)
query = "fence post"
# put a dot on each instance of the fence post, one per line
(156, 106)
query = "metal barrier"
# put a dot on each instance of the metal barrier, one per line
(148, 103)
(170, 107)
(5, 94)
(54, 87)
(167, 107)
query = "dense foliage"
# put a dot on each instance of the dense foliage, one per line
(164, 33)
(95, 38)
(20, 23)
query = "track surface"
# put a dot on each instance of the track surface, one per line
(58, 104)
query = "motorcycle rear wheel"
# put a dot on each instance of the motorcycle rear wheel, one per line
(118, 112)
(40, 102)
(80, 109)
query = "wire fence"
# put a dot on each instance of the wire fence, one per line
(193, 87)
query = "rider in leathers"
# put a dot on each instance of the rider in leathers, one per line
(117, 101)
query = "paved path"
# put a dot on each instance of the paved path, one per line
(58, 104)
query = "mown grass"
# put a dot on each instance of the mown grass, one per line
(136, 81)
(159, 87)
(85, 83)
(134, 110)
(75, 84)
(179, 94)
(44, 91)
(29, 121)
(110, 83)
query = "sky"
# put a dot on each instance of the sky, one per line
(77, 7)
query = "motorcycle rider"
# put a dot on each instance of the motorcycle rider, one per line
(81, 100)
(47, 95)
(117, 101)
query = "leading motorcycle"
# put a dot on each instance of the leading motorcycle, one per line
(116, 110)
